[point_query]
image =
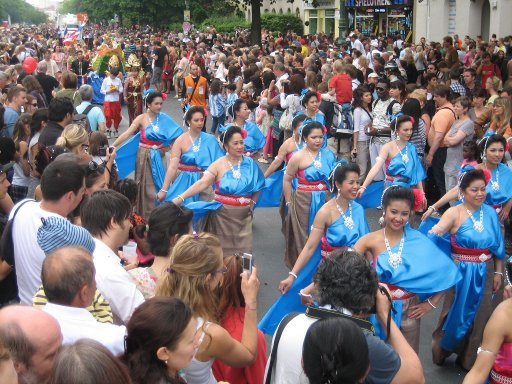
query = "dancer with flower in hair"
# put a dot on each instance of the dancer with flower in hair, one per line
(191, 154)
(403, 165)
(414, 268)
(147, 139)
(312, 166)
(338, 224)
(477, 248)
(238, 182)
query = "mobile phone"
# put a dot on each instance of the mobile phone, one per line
(110, 150)
(247, 262)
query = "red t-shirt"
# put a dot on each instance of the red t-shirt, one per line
(252, 374)
(342, 84)
(489, 70)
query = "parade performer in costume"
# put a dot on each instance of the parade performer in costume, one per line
(338, 224)
(312, 165)
(191, 154)
(112, 87)
(408, 262)
(134, 88)
(309, 100)
(255, 140)
(157, 131)
(495, 353)
(238, 181)
(499, 189)
(478, 249)
(404, 167)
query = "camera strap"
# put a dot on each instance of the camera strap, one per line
(322, 313)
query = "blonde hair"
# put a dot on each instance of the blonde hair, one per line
(501, 124)
(193, 263)
(419, 95)
(72, 136)
(339, 65)
(496, 82)
(408, 57)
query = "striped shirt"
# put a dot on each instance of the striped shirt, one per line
(100, 308)
(217, 104)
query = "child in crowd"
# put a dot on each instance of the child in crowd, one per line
(112, 88)
(264, 119)
(231, 97)
(470, 153)
(217, 103)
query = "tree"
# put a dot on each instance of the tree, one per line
(21, 12)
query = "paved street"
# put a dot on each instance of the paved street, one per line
(269, 254)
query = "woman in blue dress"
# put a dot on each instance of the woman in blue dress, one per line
(238, 182)
(309, 100)
(403, 165)
(255, 140)
(191, 154)
(312, 166)
(412, 266)
(338, 224)
(499, 188)
(478, 249)
(151, 133)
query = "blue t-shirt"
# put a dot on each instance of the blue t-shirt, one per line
(10, 117)
(95, 115)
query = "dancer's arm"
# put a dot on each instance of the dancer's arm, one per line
(379, 162)
(129, 132)
(170, 175)
(200, 185)
(451, 195)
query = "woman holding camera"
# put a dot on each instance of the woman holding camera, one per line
(191, 154)
(408, 262)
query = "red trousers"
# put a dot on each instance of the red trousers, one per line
(112, 111)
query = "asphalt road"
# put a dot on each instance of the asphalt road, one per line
(269, 257)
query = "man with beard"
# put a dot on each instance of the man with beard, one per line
(33, 339)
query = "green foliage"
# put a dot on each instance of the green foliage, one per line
(282, 22)
(226, 24)
(21, 12)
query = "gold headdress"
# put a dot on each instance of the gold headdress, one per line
(114, 61)
(133, 61)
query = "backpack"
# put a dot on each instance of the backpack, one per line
(82, 120)
(389, 110)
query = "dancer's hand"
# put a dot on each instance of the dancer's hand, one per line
(427, 214)
(507, 292)
(360, 192)
(161, 195)
(419, 310)
(285, 284)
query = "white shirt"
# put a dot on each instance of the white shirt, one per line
(52, 67)
(114, 283)
(281, 78)
(105, 87)
(358, 45)
(28, 255)
(79, 323)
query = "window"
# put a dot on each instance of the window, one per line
(313, 21)
(280, 11)
(329, 21)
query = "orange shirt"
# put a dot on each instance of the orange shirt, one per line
(200, 94)
(441, 122)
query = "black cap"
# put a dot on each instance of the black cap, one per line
(6, 167)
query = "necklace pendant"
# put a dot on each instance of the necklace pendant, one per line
(195, 148)
(405, 158)
(317, 164)
(495, 186)
(156, 128)
(237, 174)
(478, 226)
(395, 259)
(348, 222)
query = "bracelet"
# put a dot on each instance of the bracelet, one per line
(181, 197)
(250, 309)
(287, 203)
(432, 305)
(433, 208)
(499, 273)
(164, 190)
(253, 202)
(362, 187)
(292, 274)
(303, 294)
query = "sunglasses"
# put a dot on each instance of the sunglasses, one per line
(223, 270)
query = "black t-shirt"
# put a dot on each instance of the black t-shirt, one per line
(160, 53)
(48, 83)
(50, 134)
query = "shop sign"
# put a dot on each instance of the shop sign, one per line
(374, 3)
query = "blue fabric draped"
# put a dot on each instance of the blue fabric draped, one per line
(127, 155)
(372, 195)
(95, 80)
(209, 152)
(340, 236)
(270, 195)
(254, 141)
(505, 182)
(443, 242)
(419, 271)
(469, 290)
(250, 182)
(166, 131)
(410, 173)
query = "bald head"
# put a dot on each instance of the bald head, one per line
(65, 272)
(33, 338)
